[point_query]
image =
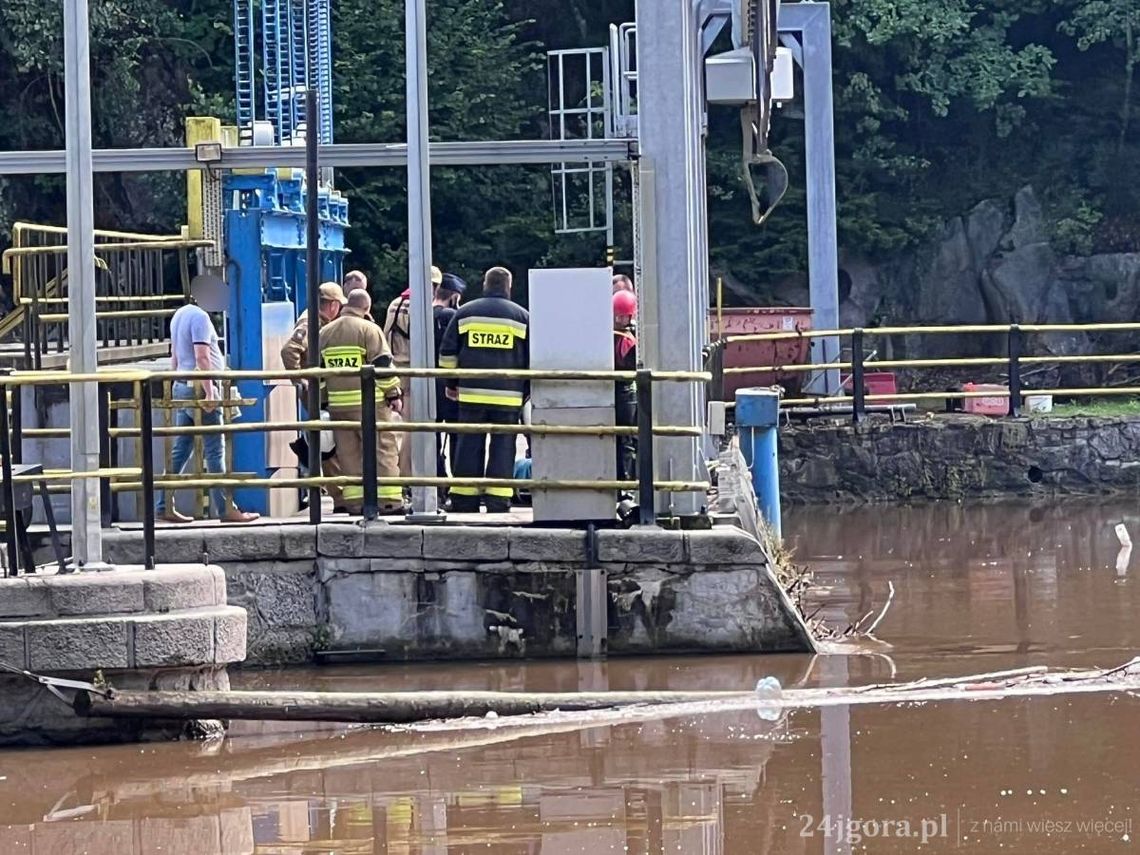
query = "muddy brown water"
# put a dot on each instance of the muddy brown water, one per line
(977, 589)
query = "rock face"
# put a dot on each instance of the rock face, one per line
(959, 457)
(994, 265)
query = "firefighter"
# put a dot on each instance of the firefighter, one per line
(295, 355)
(354, 279)
(398, 331)
(489, 333)
(625, 392)
(352, 341)
(444, 305)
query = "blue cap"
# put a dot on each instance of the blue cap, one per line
(451, 282)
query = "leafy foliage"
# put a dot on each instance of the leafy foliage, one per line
(938, 104)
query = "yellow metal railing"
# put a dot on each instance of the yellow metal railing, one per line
(1014, 362)
(143, 478)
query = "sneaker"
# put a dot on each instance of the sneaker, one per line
(172, 516)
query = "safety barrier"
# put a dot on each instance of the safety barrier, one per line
(132, 299)
(1014, 362)
(143, 478)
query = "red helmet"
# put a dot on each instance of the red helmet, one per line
(625, 303)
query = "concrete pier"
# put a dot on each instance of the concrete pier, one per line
(167, 628)
(405, 592)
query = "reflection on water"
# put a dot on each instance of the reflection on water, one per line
(977, 589)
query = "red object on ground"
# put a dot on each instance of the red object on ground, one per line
(876, 383)
(988, 406)
(790, 351)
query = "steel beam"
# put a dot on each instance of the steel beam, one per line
(338, 155)
(424, 499)
(810, 23)
(674, 250)
(86, 516)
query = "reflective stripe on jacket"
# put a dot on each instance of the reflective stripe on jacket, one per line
(488, 333)
(353, 341)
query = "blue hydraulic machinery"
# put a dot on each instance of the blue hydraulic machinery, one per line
(257, 217)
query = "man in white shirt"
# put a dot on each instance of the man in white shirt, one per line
(194, 347)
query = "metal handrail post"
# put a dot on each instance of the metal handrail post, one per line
(9, 485)
(104, 392)
(368, 455)
(1016, 341)
(646, 510)
(146, 457)
(858, 391)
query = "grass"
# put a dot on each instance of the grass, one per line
(1098, 407)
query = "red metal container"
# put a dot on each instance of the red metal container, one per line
(790, 351)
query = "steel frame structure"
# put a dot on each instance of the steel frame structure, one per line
(674, 35)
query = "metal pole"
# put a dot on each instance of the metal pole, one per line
(646, 514)
(313, 289)
(1015, 347)
(146, 463)
(9, 486)
(858, 392)
(86, 533)
(812, 22)
(674, 252)
(757, 425)
(424, 499)
(105, 453)
(368, 428)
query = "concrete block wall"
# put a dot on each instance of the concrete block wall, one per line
(166, 628)
(406, 592)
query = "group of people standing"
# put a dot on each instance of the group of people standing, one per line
(491, 332)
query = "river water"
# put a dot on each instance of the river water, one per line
(976, 589)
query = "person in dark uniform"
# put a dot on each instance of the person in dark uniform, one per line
(489, 333)
(445, 301)
(625, 392)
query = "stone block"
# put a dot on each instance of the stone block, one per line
(298, 542)
(230, 635)
(555, 544)
(641, 546)
(371, 609)
(399, 565)
(78, 644)
(172, 588)
(16, 839)
(24, 597)
(393, 541)
(466, 543)
(723, 546)
(184, 638)
(115, 592)
(243, 543)
(173, 546)
(281, 594)
(122, 547)
(340, 540)
(12, 647)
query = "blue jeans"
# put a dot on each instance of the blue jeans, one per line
(213, 446)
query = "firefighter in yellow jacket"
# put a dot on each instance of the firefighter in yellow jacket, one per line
(295, 354)
(353, 340)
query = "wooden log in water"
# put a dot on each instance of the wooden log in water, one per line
(366, 707)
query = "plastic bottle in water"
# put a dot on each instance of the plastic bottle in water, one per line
(768, 690)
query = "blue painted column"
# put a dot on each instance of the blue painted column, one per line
(757, 419)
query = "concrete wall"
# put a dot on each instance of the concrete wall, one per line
(958, 457)
(429, 592)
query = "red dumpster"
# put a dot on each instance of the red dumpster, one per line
(790, 351)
